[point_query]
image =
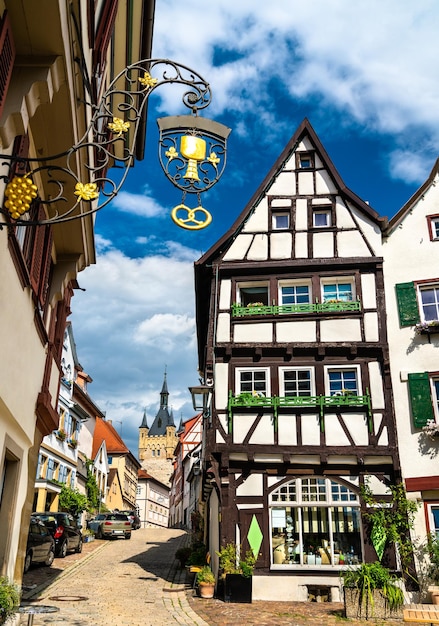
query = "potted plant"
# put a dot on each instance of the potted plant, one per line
(372, 592)
(61, 434)
(433, 568)
(9, 599)
(206, 582)
(236, 573)
(183, 555)
(88, 535)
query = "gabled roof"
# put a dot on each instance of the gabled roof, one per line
(204, 267)
(105, 431)
(408, 206)
(304, 130)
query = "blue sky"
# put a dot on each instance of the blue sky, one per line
(364, 73)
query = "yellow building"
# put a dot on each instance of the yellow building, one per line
(121, 460)
(157, 444)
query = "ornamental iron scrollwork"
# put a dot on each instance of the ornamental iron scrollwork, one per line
(192, 152)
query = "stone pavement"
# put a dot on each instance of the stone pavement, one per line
(139, 583)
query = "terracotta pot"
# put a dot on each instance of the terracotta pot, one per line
(206, 590)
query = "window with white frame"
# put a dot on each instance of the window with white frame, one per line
(315, 522)
(433, 226)
(342, 381)
(321, 218)
(280, 220)
(338, 289)
(304, 160)
(50, 469)
(252, 293)
(253, 380)
(294, 292)
(429, 296)
(433, 518)
(62, 474)
(298, 381)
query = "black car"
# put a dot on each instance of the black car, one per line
(40, 545)
(65, 531)
(134, 519)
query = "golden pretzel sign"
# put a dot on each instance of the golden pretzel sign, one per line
(190, 222)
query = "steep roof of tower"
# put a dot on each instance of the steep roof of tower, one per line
(144, 423)
(164, 417)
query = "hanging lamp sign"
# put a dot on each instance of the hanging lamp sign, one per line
(192, 153)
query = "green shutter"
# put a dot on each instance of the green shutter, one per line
(407, 304)
(420, 399)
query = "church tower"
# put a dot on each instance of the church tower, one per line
(157, 443)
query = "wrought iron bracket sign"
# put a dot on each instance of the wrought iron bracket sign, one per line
(192, 152)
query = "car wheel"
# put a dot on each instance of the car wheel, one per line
(128, 536)
(78, 548)
(27, 562)
(63, 550)
(50, 558)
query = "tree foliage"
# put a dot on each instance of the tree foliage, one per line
(392, 522)
(92, 489)
(73, 501)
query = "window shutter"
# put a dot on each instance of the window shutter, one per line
(7, 57)
(407, 304)
(41, 259)
(420, 399)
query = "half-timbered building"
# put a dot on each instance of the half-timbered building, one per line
(292, 339)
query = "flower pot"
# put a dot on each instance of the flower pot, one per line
(238, 588)
(434, 591)
(207, 590)
(371, 608)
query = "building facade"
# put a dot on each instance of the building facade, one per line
(292, 339)
(412, 288)
(121, 460)
(51, 76)
(152, 501)
(183, 481)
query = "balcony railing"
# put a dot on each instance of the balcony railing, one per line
(317, 307)
(320, 403)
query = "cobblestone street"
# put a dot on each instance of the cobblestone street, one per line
(138, 583)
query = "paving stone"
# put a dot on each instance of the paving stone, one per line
(139, 583)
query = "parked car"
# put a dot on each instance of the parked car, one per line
(64, 529)
(133, 517)
(110, 525)
(40, 545)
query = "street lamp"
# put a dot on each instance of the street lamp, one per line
(202, 398)
(192, 152)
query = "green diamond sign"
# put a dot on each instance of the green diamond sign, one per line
(255, 536)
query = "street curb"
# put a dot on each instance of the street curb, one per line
(29, 595)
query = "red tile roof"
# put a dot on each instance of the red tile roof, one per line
(105, 431)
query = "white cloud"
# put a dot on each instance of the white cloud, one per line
(164, 330)
(375, 61)
(138, 204)
(366, 63)
(135, 319)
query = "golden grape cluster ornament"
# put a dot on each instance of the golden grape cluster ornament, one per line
(20, 192)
